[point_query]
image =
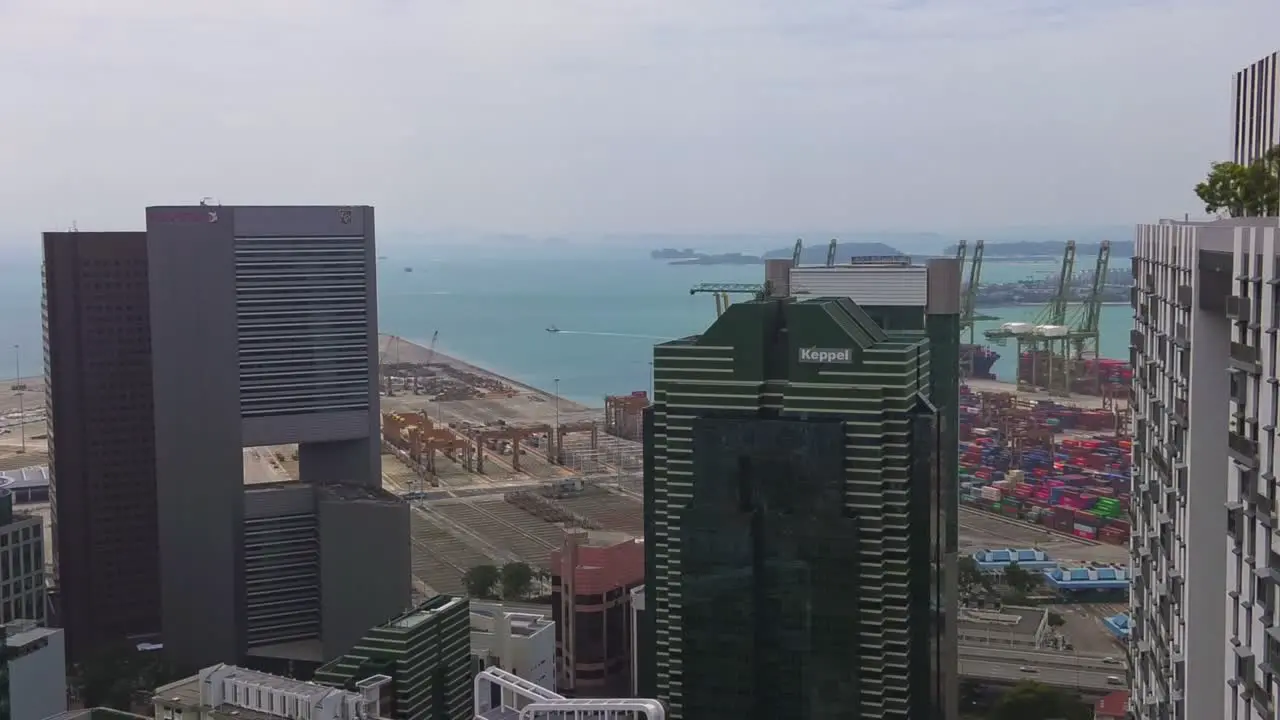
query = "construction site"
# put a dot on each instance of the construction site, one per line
(497, 471)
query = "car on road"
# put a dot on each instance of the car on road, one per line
(1115, 680)
(1110, 661)
(1027, 669)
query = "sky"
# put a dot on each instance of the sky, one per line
(598, 116)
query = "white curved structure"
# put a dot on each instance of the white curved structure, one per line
(589, 709)
(500, 695)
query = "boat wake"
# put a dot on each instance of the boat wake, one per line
(612, 334)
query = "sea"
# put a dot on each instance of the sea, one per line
(495, 314)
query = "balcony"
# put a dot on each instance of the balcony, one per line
(1245, 358)
(1137, 341)
(1239, 308)
(1242, 450)
(1181, 336)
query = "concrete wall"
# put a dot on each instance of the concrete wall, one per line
(364, 566)
(199, 467)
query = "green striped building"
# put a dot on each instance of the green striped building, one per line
(427, 654)
(800, 512)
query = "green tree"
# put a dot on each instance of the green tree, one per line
(1243, 190)
(481, 581)
(1030, 700)
(1056, 619)
(1018, 579)
(517, 579)
(971, 578)
(118, 674)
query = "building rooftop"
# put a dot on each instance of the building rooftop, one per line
(20, 633)
(218, 690)
(424, 612)
(35, 476)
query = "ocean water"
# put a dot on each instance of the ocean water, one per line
(495, 314)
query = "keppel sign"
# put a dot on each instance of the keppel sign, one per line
(826, 355)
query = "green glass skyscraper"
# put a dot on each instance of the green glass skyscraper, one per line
(801, 510)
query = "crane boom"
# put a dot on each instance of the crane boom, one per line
(969, 304)
(831, 253)
(795, 254)
(1057, 310)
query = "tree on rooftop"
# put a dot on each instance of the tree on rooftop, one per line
(1237, 190)
(517, 578)
(481, 581)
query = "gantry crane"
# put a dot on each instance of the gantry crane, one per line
(831, 253)
(382, 364)
(795, 254)
(723, 290)
(969, 303)
(1084, 334)
(1045, 337)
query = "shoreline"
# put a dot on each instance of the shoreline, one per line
(413, 351)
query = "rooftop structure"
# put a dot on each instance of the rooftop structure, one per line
(1102, 577)
(1118, 626)
(1027, 559)
(28, 484)
(36, 664)
(227, 692)
(521, 643)
(500, 695)
(426, 655)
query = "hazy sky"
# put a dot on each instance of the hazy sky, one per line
(591, 115)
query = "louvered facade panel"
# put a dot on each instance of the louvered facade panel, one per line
(893, 286)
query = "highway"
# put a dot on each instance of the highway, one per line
(1065, 670)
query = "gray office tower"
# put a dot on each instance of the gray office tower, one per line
(264, 333)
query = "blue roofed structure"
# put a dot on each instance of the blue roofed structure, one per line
(1118, 626)
(997, 560)
(1101, 577)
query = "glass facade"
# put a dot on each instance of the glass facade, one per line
(797, 515)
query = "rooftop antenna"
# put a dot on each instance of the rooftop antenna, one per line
(73, 227)
(212, 210)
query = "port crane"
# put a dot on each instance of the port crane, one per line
(969, 302)
(1047, 332)
(722, 291)
(1084, 335)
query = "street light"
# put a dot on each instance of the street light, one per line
(559, 453)
(17, 385)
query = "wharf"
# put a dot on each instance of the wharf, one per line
(1089, 402)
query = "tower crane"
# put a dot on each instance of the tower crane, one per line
(722, 291)
(1042, 335)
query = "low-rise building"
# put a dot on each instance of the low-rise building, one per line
(522, 643)
(22, 579)
(227, 692)
(36, 666)
(425, 653)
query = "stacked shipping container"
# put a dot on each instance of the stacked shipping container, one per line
(1079, 485)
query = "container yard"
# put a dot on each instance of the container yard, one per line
(1060, 467)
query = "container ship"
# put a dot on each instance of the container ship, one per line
(1090, 376)
(1014, 463)
(980, 358)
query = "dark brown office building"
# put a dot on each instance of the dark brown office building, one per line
(98, 381)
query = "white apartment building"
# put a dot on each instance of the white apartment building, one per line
(227, 692)
(521, 643)
(1205, 390)
(1257, 109)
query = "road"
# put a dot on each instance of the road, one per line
(1066, 670)
(1063, 678)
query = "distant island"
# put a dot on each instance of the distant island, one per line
(815, 255)
(1040, 250)
(674, 254)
